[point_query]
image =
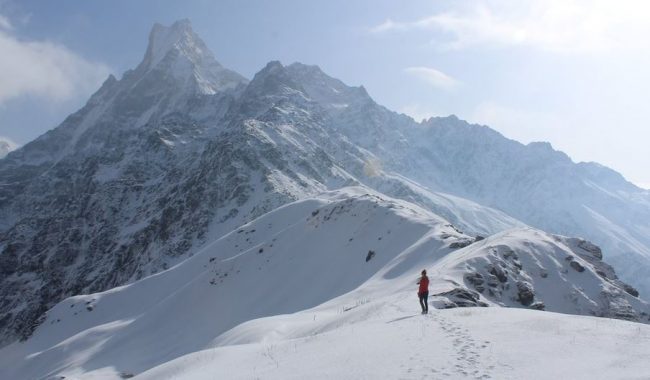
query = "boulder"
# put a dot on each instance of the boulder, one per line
(538, 306)
(461, 243)
(525, 294)
(498, 272)
(591, 248)
(461, 297)
(577, 266)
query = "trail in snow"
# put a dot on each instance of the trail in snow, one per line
(465, 356)
(385, 338)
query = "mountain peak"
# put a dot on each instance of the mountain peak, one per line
(178, 36)
(182, 54)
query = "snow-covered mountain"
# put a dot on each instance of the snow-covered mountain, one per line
(175, 153)
(324, 264)
(542, 187)
(180, 151)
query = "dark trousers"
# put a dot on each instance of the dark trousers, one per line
(424, 300)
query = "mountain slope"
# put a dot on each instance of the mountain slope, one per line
(343, 250)
(176, 153)
(532, 183)
(293, 258)
(543, 188)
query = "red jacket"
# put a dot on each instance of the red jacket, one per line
(424, 285)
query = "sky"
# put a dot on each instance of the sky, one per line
(571, 72)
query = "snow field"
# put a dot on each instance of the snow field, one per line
(325, 288)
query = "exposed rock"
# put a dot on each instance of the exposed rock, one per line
(537, 305)
(461, 297)
(577, 266)
(525, 294)
(630, 290)
(498, 272)
(591, 248)
(476, 280)
(493, 281)
(461, 243)
(508, 253)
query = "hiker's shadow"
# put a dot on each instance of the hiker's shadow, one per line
(402, 318)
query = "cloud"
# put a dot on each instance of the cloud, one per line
(433, 77)
(388, 25)
(6, 145)
(418, 112)
(569, 26)
(4, 23)
(43, 69)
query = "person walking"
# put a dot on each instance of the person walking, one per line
(423, 292)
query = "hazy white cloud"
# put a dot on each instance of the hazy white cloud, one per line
(43, 69)
(6, 145)
(555, 25)
(389, 25)
(433, 77)
(4, 23)
(418, 112)
(524, 125)
(9, 142)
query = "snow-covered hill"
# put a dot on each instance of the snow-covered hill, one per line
(332, 262)
(531, 268)
(387, 340)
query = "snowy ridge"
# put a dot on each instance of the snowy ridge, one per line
(345, 257)
(312, 250)
(531, 268)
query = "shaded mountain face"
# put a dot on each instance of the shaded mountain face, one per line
(181, 150)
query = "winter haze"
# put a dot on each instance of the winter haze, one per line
(191, 191)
